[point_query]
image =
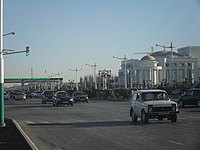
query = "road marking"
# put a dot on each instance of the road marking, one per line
(29, 122)
(32, 145)
(175, 142)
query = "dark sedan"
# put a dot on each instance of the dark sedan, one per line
(80, 96)
(62, 97)
(191, 97)
(47, 96)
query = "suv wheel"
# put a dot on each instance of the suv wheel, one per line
(133, 116)
(174, 118)
(144, 117)
(198, 103)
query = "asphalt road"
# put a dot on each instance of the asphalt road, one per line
(102, 125)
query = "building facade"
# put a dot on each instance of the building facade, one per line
(161, 67)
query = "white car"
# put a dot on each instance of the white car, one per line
(150, 104)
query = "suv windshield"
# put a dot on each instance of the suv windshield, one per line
(152, 96)
(62, 94)
(48, 92)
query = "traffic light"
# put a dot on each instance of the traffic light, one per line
(27, 51)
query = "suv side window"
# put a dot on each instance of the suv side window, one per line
(138, 97)
(134, 97)
(196, 93)
(191, 93)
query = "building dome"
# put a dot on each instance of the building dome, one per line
(148, 57)
(164, 53)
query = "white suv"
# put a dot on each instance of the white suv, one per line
(150, 104)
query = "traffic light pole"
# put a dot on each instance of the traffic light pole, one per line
(2, 123)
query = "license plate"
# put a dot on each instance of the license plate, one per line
(163, 113)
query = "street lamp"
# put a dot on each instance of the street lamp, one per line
(95, 77)
(171, 47)
(76, 75)
(124, 58)
(2, 123)
(10, 33)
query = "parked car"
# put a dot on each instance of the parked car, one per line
(176, 94)
(20, 96)
(29, 94)
(37, 94)
(80, 96)
(6, 95)
(62, 97)
(47, 96)
(150, 104)
(191, 97)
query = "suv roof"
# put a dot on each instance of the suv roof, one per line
(194, 89)
(152, 90)
(48, 91)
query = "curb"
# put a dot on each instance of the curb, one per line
(28, 140)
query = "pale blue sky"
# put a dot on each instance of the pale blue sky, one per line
(67, 34)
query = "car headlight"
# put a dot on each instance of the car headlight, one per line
(173, 107)
(71, 100)
(150, 108)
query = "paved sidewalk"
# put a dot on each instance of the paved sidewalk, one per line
(11, 138)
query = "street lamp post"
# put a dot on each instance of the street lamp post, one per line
(2, 124)
(124, 58)
(95, 77)
(171, 47)
(76, 75)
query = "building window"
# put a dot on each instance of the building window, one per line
(174, 64)
(181, 65)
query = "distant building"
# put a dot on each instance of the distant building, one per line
(162, 66)
(144, 72)
(193, 52)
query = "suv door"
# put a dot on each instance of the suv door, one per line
(196, 97)
(138, 104)
(190, 97)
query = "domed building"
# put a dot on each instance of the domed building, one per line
(148, 58)
(146, 70)
(158, 67)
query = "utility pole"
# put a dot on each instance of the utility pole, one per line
(95, 76)
(125, 76)
(31, 72)
(76, 75)
(171, 47)
(2, 124)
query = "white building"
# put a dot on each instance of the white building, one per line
(160, 66)
(193, 52)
